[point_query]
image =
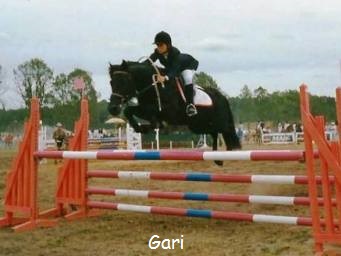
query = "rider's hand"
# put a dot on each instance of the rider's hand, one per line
(161, 79)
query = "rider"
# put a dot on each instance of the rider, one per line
(176, 64)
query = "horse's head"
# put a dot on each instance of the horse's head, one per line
(127, 80)
(122, 87)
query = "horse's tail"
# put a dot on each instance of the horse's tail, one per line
(229, 133)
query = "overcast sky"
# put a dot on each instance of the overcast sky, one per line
(275, 44)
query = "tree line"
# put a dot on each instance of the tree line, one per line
(277, 106)
(60, 102)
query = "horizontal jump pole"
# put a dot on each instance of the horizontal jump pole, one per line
(232, 198)
(222, 215)
(206, 177)
(256, 155)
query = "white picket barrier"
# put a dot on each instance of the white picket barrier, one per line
(134, 139)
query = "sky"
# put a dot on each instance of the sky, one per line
(275, 44)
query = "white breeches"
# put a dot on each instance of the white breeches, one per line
(187, 76)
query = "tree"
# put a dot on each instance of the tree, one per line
(262, 103)
(245, 92)
(323, 105)
(64, 100)
(33, 78)
(260, 93)
(243, 107)
(62, 92)
(205, 80)
(89, 91)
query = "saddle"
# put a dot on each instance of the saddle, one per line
(200, 98)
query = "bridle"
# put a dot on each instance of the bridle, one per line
(124, 99)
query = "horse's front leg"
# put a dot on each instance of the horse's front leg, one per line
(129, 113)
(156, 122)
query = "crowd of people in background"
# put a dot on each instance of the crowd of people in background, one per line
(99, 133)
(289, 127)
(9, 140)
(250, 134)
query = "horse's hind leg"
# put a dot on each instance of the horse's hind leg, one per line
(215, 141)
(215, 146)
(231, 140)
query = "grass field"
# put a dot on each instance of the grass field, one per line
(126, 233)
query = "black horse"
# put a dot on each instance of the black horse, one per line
(134, 79)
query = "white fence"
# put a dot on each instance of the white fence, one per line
(292, 137)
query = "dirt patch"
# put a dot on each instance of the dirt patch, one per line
(126, 233)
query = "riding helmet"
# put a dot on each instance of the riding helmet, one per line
(163, 37)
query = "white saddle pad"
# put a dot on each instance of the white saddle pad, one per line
(201, 98)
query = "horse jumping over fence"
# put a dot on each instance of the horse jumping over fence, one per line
(166, 104)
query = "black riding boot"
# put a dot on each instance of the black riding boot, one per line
(191, 110)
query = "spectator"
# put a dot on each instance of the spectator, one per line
(240, 132)
(279, 127)
(59, 137)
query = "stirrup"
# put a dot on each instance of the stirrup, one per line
(191, 110)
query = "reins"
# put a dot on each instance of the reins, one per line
(155, 82)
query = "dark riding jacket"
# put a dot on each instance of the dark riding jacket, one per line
(175, 62)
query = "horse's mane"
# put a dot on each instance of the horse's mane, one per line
(132, 67)
(140, 67)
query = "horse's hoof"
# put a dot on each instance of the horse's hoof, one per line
(144, 129)
(138, 130)
(219, 163)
